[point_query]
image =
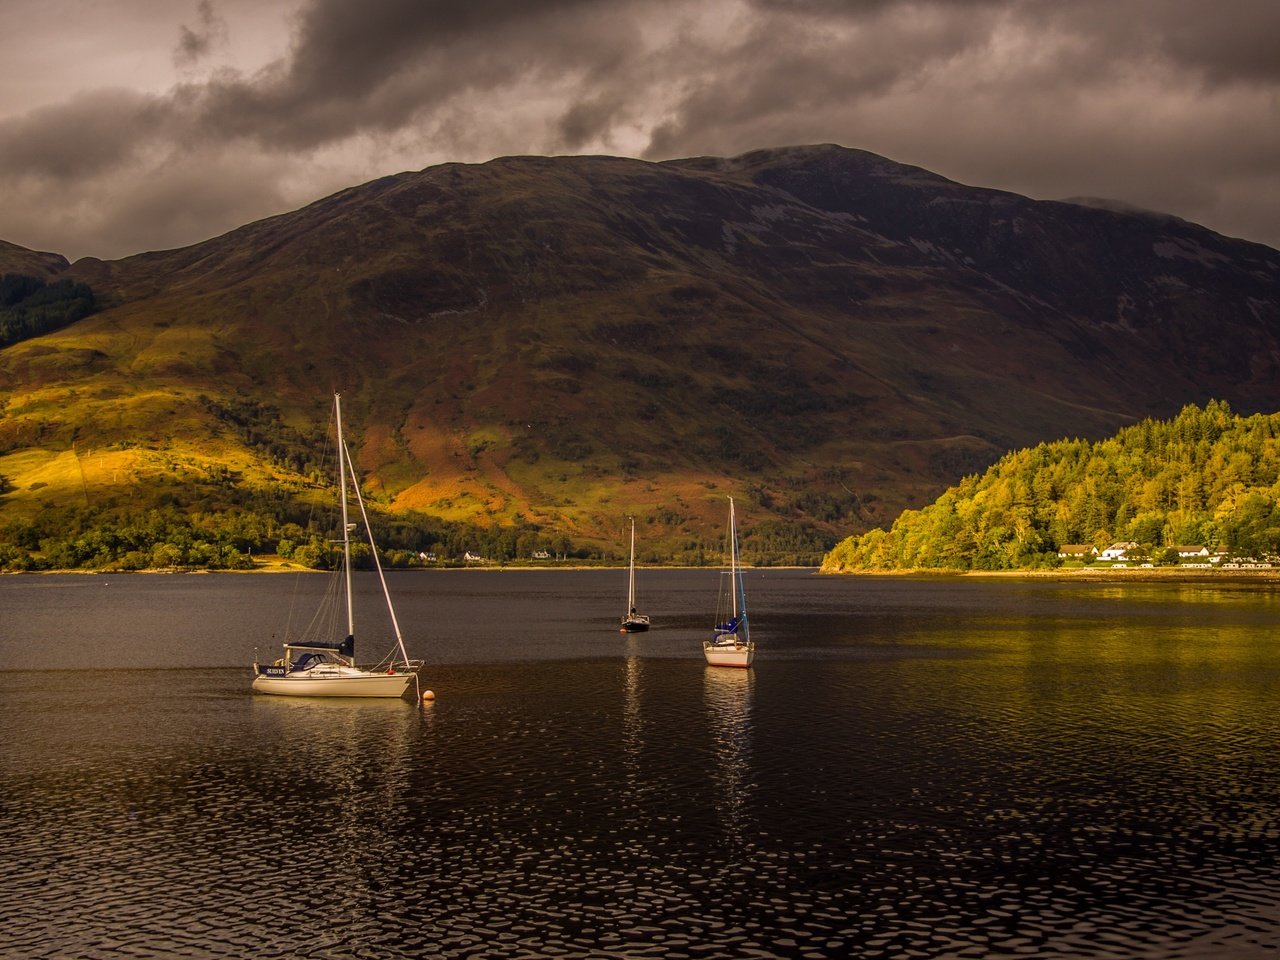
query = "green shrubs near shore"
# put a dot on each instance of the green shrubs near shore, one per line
(1207, 477)
(158, 539)
(169, 538)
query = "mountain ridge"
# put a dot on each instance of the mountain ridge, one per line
(44, 266)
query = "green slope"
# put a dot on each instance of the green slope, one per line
(1207, 477)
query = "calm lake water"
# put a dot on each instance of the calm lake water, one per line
(914, 768)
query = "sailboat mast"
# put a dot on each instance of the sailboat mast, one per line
(631, 580)
(740, 593)
(346, 526)
(733, 557)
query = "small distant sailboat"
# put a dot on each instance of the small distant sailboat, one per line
(318, 667)
(730, 645)
(633, 622)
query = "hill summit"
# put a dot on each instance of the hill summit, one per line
(553, 344)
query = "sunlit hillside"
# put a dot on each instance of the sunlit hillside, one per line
(1208, 478)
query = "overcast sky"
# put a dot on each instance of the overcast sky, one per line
(132, 125)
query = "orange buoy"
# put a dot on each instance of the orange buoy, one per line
(428, 695)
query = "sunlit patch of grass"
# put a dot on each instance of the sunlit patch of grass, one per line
(461, 506)
(393, 479)
(181, 349)
(37, 477)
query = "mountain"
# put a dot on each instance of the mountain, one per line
(562, 342)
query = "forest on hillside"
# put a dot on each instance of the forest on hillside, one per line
(1206, 477)
(30, 307)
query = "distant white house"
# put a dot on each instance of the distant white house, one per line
(1077, 551)
(1118, 551)
(1185, 550)
(429, 556)
(541, 555)
(470, 557)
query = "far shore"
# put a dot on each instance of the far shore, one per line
(278, 565)
(1131, 574)
(273, 564)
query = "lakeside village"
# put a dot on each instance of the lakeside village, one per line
(470, 556)
(1129, 554)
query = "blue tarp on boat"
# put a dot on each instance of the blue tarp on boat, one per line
(345, 647)
(731, 626)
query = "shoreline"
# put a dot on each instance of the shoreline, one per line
(1132, 574)
(284, 566)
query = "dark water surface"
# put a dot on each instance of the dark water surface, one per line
(914, 768)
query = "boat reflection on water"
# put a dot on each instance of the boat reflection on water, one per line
(332, 709)
(632, 719)
(352, 757)
(727, 696)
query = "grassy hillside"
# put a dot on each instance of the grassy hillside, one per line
(1207, 477)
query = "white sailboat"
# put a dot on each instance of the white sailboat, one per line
(318, 667)
(730, 645)
(633, 622)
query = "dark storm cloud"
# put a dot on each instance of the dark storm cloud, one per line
(92, 132)
(1226, 41)
(788, 67)
(377, 66)
(208, 35)
(590, 118)
(1234, 41)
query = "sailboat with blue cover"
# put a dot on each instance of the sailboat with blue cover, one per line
(730, 644)
(316, 665)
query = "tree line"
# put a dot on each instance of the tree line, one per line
(170, 537)
(173, 537)
(1206, 477)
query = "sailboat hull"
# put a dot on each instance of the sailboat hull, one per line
(729, 654)
(634, 625)
(356, 684)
